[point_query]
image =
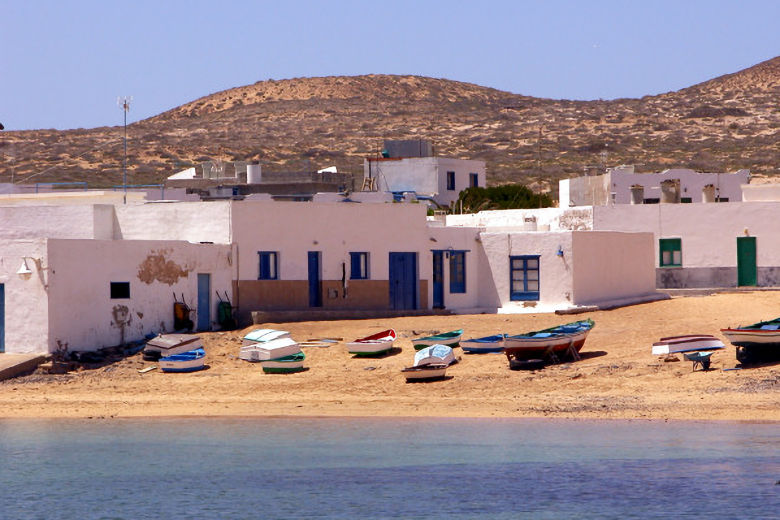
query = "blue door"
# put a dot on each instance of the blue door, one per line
(438, 280)
(204, 301)
(315, 289)
(2, 317)
(403, 281)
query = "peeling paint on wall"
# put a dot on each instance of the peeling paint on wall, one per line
(121, 319)
(157, 268)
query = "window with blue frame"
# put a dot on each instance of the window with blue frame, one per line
(451, 181)
(473, 180)
(358, 266)
(269, 265)
(524, 278)
(457, 271)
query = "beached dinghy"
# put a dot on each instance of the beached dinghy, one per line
(484, 345)
(284, 365)
(451, 339)
(263, 336)
(166, 345)
(430, 363)
(689, 343)
(190, 361)
(274, 349)
(757, 342)
(563, 341)
(373, 345)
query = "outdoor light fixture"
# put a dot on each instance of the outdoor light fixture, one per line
(24, 271)
(560, 251)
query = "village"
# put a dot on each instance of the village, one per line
(87, 271)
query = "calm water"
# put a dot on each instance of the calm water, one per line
(387, 468)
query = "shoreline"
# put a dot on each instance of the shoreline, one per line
(617, 378)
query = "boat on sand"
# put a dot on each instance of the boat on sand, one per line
(757, 342)
(689, 343)
(373, 345)
(430, 363)
(484, 345)
(553, 344)
(451, 339)
(190, 361)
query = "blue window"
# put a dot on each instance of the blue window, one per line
(451, 181)
(269, 265)
(524, 278)
(457, 271)
(473, 180)
(358, 266)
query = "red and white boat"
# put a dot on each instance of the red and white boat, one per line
(689, 343)
(563, 341)
(757, 342)
(373, 345)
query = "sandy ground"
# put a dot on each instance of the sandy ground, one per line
(618, 377)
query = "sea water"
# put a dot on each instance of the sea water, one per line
(387, 468)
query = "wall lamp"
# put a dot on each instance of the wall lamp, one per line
(560, 251)
(25, 273)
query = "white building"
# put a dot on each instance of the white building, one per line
(93, 275)
(439, 178)
(621, 185)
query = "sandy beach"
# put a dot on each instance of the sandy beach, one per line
(617, 377)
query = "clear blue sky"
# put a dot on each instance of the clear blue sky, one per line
(63, 63)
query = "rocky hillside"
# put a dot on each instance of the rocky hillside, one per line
(302, 124)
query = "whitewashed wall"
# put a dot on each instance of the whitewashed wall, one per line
(544, 219)
(709, 231)
(81, 312)
(556, 273)
(480, 292)
(66, 221)
(336, 229)
(462, 168)
(609, 266)
(191, 221)
(26, 304)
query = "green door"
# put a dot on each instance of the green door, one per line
(746, 261)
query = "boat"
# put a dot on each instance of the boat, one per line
(373, 345)
(263, 336)
(451, 339)
(689, 343)
(190, 361)
(757, 342)
(484, 345)
(284, 365)
(166, 345)
(425, 372)
(434, 355)
(274, 349)
(563, 341)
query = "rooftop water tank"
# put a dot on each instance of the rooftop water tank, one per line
(254, 174)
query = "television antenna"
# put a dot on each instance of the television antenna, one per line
(124, 104)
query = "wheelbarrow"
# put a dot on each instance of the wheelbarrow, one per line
(701, 359)
(225, 316)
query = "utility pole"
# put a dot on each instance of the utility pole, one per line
(124, 104)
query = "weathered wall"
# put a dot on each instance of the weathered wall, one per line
(82, 313)
(26, 309)
(610, 266)
(546, 219)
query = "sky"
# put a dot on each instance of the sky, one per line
(63, 64)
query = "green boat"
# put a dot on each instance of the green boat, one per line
(451, 339)
(284, 365)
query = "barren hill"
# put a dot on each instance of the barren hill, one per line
(724, 124)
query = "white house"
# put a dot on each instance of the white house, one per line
(621, 185)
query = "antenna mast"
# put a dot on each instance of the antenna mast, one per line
(124, 104)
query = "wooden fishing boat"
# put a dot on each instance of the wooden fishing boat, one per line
(274, 349)
(484, 345)
(166, 345)
(757, 342)
(553, 344)
(284, 365)
(190, 361)
(425, 372)
(689, 343)
(373, 345)
(451, 339)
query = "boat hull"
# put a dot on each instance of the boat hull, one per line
(756, 343)
(274, 349)
(690, 343)
(489, 344)
(425, 373)
(191, 361)
(450, 339)
(551, 342)
(285, 365)
(166, 345)
(374, 345)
